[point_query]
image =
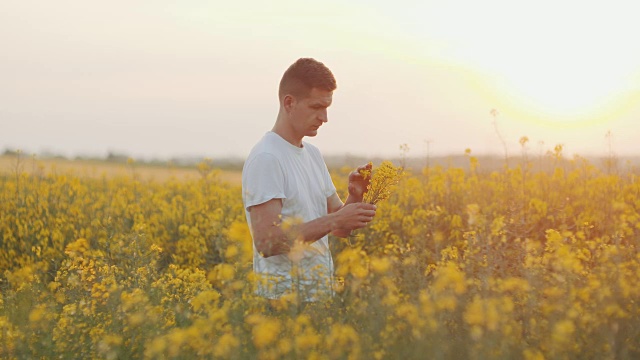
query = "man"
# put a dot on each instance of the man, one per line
(290, 201)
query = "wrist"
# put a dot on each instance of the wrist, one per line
(343, 233)
(333, 222)
(352, 198)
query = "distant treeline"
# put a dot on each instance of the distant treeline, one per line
(484, 163)
(122, 158)
(489, 163)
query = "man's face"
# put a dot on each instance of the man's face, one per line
(309, 113)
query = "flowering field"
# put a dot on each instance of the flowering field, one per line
(458, 264)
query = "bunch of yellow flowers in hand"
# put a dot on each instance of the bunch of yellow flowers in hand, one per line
(383, 180)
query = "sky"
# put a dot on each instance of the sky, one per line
(159, 79)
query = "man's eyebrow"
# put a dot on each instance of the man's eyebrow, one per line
(321, 103)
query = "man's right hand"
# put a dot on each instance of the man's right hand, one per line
(354, 216)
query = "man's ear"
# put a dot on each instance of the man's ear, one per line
(288, 102)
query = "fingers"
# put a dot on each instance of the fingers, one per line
(367, 216)
(366, 219)
(356, 175)
(368, 213)
(368, 207)
(367, 210)
(366, 166)
(364, 222)
(363, 206)
(358, 215)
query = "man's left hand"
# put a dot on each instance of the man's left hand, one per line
(358, 183)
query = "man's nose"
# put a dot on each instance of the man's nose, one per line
(323, 116)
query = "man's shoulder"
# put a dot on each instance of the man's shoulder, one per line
(269, 143)
(263, 146)
(258, 163)
(266, 153)
(261, 155)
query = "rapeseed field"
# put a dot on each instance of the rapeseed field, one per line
(458, 264)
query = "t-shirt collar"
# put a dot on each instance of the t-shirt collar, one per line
(289, 145)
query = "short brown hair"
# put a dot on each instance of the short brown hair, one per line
(304, 75)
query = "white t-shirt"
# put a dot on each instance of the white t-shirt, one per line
(277, 169)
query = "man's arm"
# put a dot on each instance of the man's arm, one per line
(271, 239)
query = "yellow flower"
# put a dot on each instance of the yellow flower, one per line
(307, 340)
(266, 332)
(204, 299)
(343, 341)
(231, 252)
(352, 261)
(227, 343)
(107, 347)
(240, 236)
(449, 277)
(382, 182)
(77, 247)
(380, 265)
(37, 314)
(156, 348)
(532, 354)
(563, 330)
(222, 273)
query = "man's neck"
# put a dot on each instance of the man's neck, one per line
(282, 128)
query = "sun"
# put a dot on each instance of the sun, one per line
(545, 61)
(572, 91)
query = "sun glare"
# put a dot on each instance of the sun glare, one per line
(559, 73)
(554, 93)
(559, 63)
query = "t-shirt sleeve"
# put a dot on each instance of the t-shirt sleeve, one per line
(263, 180)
